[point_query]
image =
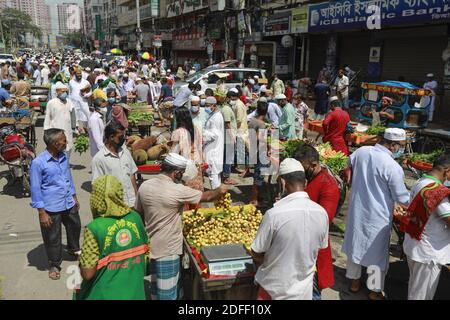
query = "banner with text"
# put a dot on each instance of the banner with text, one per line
(358, 14)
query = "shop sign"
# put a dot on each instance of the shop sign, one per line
(278, 24)
(282, 60)
(374, 54)
(215, 33)
(157, 41)
(359, 14)
(299, 21)
(180, 7)
(193, 44)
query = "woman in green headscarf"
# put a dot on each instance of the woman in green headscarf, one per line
(112, 260)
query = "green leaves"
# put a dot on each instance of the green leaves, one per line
(427, 157)
(81, 144)
(135, 117)
(375, 130)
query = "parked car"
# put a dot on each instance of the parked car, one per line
(232, 76)
(5, 57)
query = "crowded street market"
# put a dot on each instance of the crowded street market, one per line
(217, 179)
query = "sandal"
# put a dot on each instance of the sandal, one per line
(230, 182)
(54, 273)
(355, 288)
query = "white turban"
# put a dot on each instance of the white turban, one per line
(290, 165)
(176, 160)
(395, 134)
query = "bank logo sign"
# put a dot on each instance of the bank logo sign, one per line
(357, 14)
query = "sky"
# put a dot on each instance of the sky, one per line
(54, 12)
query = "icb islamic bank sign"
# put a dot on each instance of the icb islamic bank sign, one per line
(356, 14)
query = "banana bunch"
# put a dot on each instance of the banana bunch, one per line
(237, 224)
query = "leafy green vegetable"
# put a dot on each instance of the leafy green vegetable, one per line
(289, 147)
(375, 130)
(135, 117)
(427, 157)
(137, 104)
(81, 144)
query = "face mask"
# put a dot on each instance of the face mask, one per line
(78, 78)
(447, 183)
(62, 96)
(233, 103)
(208, 110)
(111, 100)
(202, 102)
(399, 153)
(121, 142)
(195, 109)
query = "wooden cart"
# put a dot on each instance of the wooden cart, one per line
(25, 125)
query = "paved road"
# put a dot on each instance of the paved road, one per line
(23, 260)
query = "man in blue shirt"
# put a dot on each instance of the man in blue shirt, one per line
(53, 195)
(4, 97)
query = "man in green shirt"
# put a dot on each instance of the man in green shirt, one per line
(287, 120)
(230, 139)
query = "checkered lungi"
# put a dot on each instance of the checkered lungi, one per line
(165, 283)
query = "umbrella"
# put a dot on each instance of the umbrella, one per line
(116, 51)
(146, 56)
(88, 63)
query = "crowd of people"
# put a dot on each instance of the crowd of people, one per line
(220, 127)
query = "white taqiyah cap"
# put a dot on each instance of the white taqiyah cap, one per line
(290, 165)
(280, 96)
(251, 81)
(256, 77)
(234, 90)
(210, 100)
(176, 160)
(262, 99)
(395, 134)
(59, 85)
(430, 75)
(333, 98)
(200, 93)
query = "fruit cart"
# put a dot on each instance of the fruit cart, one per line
(216, 244)
(39, 98)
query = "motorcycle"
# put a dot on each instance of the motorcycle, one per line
(17, 154)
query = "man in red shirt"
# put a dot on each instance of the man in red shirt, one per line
(323, 189)
(335, 125)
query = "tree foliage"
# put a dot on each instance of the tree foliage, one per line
(74, 39)
(15, 25)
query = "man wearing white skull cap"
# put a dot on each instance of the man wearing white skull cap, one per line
(285, 254)
(160, 201)
(378, 183)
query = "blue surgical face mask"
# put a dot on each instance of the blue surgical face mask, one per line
(63, 96)
(195, 109)
(202, 102)
(399, 153)
(111, 100)
(208, 110)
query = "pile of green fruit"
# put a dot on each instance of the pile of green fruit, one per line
(135, 117)
(81, 144)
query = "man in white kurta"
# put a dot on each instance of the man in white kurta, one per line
(213, 141)
(97, 127)
(58, 114)
(432, 85)
(289, 239)
(377, 184)
(80, 105)
(427, 256)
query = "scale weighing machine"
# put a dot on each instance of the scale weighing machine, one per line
(228, 259)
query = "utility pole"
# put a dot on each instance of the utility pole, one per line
(138, 30)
